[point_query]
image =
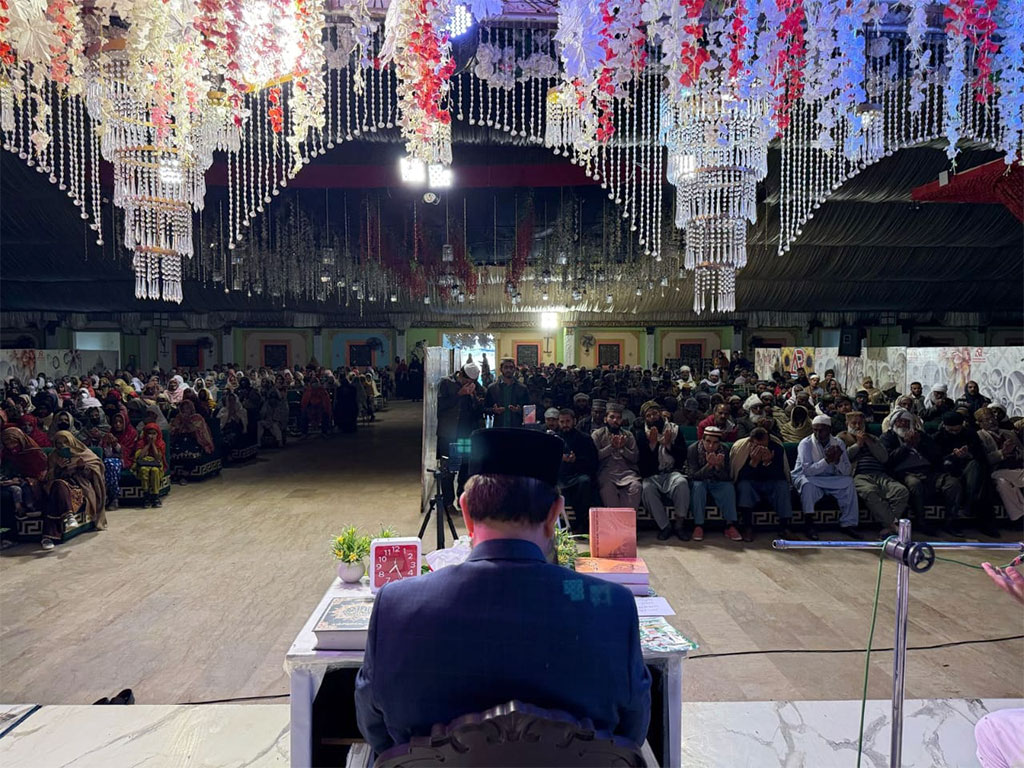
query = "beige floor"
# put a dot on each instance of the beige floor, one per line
(199, 601)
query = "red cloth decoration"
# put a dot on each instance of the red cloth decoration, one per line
(994, 183)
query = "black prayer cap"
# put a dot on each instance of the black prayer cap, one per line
(518, 452)
(952, 418)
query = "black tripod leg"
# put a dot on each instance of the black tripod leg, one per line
(426, 520)
(451, 524)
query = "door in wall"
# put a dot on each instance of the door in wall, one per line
(275, 355)
(187, 356)
(690, 354)
(360, 355)
(609, 354)
(528, 354)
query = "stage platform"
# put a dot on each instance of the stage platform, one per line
(718, 734)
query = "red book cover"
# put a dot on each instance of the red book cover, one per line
(624, 570)
(613, 532)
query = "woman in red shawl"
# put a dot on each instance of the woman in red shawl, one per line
(126, 435)
(30, 426)
(24, 467)
(150, 459)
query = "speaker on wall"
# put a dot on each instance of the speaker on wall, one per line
(849, 341)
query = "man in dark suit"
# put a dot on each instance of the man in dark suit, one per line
(506, 624)
(579, 467)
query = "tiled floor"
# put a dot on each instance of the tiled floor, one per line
(199, 600)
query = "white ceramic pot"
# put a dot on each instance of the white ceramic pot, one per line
(351, 573)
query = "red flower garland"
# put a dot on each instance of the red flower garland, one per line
(428, 49)
(6, 50)
(975, 22)
(789, 66)
(275, 111)
(739, 39)
(692, 54)
(524, 243)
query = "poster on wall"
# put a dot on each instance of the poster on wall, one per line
(25, 364)
(766, 362)
(794, 358)
(999, 372)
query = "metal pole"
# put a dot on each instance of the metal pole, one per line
(906, 553)
(899, 654)
(797, 544)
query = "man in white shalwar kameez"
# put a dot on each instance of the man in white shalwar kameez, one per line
(823, 468)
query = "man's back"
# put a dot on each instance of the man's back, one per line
(504, 625)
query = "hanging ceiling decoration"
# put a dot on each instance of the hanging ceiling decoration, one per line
(635, 93)
(165, 84)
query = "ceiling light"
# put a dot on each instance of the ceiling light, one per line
(439, 176)
(431, 198)
(461, 21)
(548, 320)
(412, 170)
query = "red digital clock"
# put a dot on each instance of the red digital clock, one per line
(394, 559)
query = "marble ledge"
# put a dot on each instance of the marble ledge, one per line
(938, 733)
(206, 736)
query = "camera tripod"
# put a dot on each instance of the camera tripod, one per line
(437, 506)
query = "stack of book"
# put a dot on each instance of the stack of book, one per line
(613, 550)
(630, 572)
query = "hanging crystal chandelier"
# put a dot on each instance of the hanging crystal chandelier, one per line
(717, 153)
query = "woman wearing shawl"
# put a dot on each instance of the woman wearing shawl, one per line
(62, 420)
(76, 489)
(191, 442)
(315, 408)
(234, 424)
(154, 414)
(24, 469)
(126, 436)
(175, 389)
(796, 427)
(30, 426)
(150, 463)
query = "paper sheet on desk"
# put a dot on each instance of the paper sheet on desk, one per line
(653, 606)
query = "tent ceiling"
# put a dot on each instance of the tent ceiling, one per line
(869, 249)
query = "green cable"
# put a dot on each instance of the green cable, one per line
(871, 633)
(867, 655)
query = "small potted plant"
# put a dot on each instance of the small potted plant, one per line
(350, 550)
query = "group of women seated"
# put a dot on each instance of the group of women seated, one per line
(72, 449)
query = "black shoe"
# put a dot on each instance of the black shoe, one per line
(682, 533)
(104, 700)
(665, 533)
(748, 533)
(852, 532)
(990, 530)
(124, 697)
(810, 533)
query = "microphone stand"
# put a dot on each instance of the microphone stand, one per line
(917, 556)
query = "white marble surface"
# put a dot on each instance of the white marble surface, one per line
(10, 714)
(937, 733)
(207, 736)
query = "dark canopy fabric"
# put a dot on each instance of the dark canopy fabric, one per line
(869, 249)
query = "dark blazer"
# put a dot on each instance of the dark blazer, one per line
(586, 455)
(647, 461)
(504, 625)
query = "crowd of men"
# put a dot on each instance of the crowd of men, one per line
(624, 444)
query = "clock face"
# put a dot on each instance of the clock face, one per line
(392, 561)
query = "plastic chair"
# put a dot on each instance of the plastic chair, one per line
(514, 734)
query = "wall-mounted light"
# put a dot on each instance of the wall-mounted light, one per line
(548, 321)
